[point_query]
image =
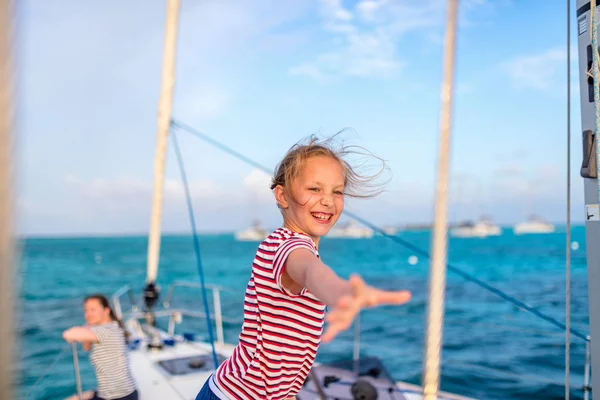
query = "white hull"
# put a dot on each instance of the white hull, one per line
(250, 236)
(533, 227)
(391, 231)
(350, 231)
(350, 234)
(476, 231)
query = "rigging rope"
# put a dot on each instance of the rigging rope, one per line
(196, 246)
(437, 270)
(463, 274)
(568, 239)
(43, 375)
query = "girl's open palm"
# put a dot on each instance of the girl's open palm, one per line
(363, 296)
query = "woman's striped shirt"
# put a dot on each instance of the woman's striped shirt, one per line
(110, 360)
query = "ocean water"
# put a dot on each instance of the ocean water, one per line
(492, 350)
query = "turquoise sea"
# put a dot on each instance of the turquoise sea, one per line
(492, 350)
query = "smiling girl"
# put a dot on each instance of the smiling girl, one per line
(290, 287)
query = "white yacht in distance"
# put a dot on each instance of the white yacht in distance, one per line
(391, 230)
(533, 225)
(255, 233)
(480, 229)
(350, 231)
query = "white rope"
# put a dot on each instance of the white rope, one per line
(164, 119)
(437, 274)
(7, 262)
(568, 239)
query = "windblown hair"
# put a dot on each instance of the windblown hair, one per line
(359, 179)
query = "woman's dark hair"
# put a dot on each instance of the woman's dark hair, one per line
(105, 304)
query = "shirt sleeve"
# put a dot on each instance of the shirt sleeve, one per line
(100, 331)
(283, 252)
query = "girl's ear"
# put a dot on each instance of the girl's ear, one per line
(280, 197)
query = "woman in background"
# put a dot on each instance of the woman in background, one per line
(105, 336)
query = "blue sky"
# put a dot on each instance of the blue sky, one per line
(261, 75)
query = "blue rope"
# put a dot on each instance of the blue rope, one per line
(398, 240)
(196, 246)
(475, 280)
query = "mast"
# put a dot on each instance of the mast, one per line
(589, 171)
(165, 106)
(437, 270)
(7, 275)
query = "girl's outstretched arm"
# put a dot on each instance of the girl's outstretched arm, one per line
(304, 269)
(345, 297)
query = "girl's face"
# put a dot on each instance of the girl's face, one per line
(94, 313)
(317, 197)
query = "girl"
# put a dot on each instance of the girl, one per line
(105, 335)
(289, 287)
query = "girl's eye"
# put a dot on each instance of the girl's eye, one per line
(314, 189)
(337, 192)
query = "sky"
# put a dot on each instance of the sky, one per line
(261, 75)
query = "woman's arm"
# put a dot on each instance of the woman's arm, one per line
(80, 334)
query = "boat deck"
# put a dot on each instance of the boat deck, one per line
(180, 368)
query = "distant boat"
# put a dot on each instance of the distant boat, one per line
(391, 230)
(533, 225)
(480, 229)
(255, 233)
(351, 231)
(417, 227)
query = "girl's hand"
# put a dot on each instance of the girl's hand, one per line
(363, 296)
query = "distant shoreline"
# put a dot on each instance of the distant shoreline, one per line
(144, 235)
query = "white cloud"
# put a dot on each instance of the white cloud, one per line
(367, 9)
(127, 190)
(537, 71)
(364, 48)
(365, 39)
(334, 11)
(257, 183)
(123, 204)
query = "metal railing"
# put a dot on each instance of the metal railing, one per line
(117, 302)
(77, 372)
(175, 314)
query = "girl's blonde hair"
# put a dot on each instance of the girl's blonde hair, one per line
(359, 179)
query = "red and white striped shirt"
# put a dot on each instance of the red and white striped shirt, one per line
(281, 330)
